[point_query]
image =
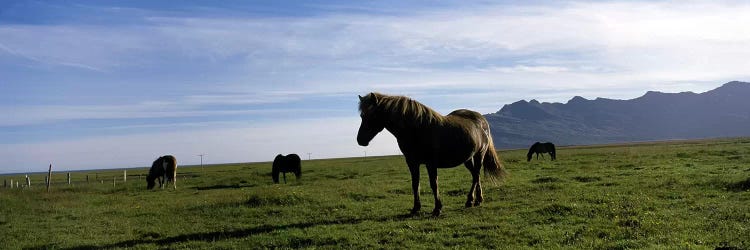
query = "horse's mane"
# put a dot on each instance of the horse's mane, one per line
(404, 107)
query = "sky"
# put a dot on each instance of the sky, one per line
(115, 84)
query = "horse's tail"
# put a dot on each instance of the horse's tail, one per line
(552, 151)
(275, 173)
(531, 152)
(173, 162)
(493, 168)
(297, 167)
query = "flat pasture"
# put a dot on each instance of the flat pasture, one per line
(678, 194)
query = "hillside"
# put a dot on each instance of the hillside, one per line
(722, 112)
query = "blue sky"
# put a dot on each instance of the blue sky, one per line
(105, 84)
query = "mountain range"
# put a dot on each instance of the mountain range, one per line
(722, 112)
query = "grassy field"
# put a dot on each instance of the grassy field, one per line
(689, 194)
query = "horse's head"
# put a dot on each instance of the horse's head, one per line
(372, 119)
(151, 182)
(528, 156)
(532, 150)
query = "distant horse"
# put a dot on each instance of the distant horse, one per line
(286, 164)
(426, 137)
(163, 169)
(541, 148)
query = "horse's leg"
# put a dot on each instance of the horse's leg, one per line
(174, 180)
(470, 198)
(476, 179)
(432, 172)
(414, 170)
(284, 173)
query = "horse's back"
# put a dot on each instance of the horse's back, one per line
(171, 164)
(467, 114)
(462, 135)
(294, 158)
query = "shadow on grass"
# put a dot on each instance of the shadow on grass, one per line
(739, 186)
(231, 234)
(220, 186)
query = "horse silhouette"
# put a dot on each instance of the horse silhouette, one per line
(542, 148)
(427, 137)
(286, 164)
(164, 169)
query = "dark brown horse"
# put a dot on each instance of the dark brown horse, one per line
(426, 137)
(285, 164)
(163, 169)
(542, 148)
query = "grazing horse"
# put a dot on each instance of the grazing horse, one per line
(285, 164)
(163, 169)
(427, 137)
(541, 148)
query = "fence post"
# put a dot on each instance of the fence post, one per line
(124, 176)
(5, 183)
(114, 181)
(49, 177)
(68, 178)
(11, 183)
(87, 178)
(28, 181)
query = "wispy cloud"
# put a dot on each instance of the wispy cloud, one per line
(637, 41)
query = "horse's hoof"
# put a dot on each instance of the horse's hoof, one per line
(469, 204)
(436, 212)
(414, 212)
(476, 204)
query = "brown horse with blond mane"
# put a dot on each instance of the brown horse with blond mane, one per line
(427, 137)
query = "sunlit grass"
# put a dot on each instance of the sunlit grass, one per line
(691, 194)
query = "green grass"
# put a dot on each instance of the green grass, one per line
(691, 194)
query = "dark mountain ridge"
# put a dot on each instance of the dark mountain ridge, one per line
(722, 112)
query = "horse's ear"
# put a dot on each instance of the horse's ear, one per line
(374, 98)
(360, 98)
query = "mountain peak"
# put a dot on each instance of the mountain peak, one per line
(577, 99)
(731, 88)
(734, 85)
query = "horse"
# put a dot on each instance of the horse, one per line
(285, 164)
(426, 137)
(541, 148)
(163, 169)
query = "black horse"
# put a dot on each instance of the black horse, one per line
(541, 148)
(285, 164)
(163, 169)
